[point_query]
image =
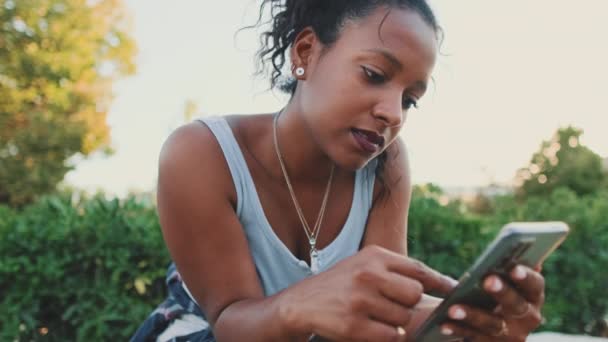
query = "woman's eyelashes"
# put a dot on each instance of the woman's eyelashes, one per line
(377, 78)
(408, 102)
(373, 76)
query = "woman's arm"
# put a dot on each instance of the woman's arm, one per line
(387, 223)
(196, 206)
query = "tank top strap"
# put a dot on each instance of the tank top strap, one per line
(368, 181)
(232, 153)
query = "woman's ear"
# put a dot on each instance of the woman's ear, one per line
(302, 52)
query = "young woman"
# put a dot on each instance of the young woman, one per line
(292, 225)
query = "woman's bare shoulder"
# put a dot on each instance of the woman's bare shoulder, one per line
(192, 154)
(396, 173)
(387, 223)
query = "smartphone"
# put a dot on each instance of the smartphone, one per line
(526, 243)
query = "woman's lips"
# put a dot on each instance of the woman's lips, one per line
(368, 141)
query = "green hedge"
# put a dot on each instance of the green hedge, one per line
(94, 269)
(443, 236)
(79, 271)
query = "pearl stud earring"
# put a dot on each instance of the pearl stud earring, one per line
(299, 71)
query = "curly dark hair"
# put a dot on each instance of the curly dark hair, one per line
(326, 18)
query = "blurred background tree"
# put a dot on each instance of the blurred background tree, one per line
(563, 162)
(58, 59)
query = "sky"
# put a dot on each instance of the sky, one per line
(509, 75)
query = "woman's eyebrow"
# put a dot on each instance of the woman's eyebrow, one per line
(396, 63)
(388, 56)
(421, 86)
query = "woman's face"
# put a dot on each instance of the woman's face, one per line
(357, 93)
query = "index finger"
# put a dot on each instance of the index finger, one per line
(431, 280)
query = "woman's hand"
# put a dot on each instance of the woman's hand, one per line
(518, 312)
(366, 297)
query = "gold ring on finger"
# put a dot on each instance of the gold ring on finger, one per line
(504, 330)
(523, 314)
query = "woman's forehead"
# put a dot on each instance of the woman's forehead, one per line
(402, 33)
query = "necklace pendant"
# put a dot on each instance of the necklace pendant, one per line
(312, 241)
(314, 260)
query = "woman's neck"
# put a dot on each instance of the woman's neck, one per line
(303, 157)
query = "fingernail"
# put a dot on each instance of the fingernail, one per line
(494, 284)
(519, 273)
(457, 313)
(452, 281)
(446, 331)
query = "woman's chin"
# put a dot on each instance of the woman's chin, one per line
(352, 164)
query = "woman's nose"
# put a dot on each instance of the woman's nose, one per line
(390, 112)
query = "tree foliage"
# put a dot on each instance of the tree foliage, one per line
(563, 162)
(58, 59)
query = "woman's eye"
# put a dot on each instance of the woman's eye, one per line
(408, 103)
(373, 76)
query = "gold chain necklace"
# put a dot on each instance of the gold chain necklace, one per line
(310, 234)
